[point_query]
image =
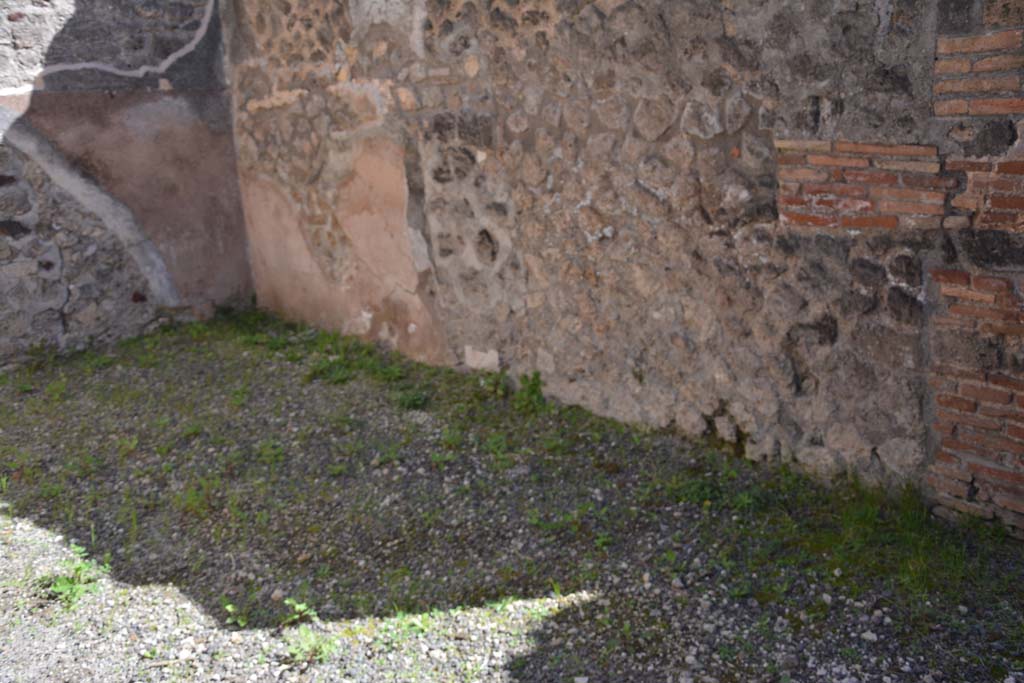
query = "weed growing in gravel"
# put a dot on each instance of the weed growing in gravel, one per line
(270, 452)
(496, 384)
(127, 445)
(236, 617)
(198, 497)
(413, 399)
(298, 611)
(239, 396)
(440, 460)
(307, 645)
(529, 400)
(80, 577)
(56, 390)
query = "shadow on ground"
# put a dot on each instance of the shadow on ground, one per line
(247, 461)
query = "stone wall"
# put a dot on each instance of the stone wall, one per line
(723, 216)
(118, 192)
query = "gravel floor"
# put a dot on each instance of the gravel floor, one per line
(176, 508)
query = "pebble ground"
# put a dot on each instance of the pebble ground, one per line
(247, 501)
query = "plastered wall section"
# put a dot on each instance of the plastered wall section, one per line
(118, 193)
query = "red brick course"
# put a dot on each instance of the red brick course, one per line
(993, 194)
(979, 413)
(860, 185)
(979, 75)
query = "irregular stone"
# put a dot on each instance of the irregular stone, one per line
(701, 120)
(653, 117)
(737, 111)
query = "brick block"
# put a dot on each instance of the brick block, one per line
(998, 63)
(911, 208)
(813, 175)
(953, 277)
(919, 222)
(1006, 381)
(808, 219)
(965, 165)
(947, 485)
(986, 394)
(967, 201)
(960, 403)
(965, 311)
(1012, 502)
(951, 108)
(793, 201)
(1011, 413)
(836, 189)
(887, 150)
(995, 182)
(1002, 201)
(804, 145)
(996, 107)
(932, 182)
(832, 160)
(975, 421)
(887, 222)
(903, 165)
(996, 474)
(992, 42)
(844, 204)
(987, 283)
(996, 219)
(958, 446)
(977, 84)
(944, 67)
(1013, 167)
(791, 159)
(870, 177)
(991, 444)
(905, 194)
(967, 294)
(976, 509)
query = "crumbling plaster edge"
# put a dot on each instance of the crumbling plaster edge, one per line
(115, 216)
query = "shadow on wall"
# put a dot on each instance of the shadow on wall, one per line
(119, 200)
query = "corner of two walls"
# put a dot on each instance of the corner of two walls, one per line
(118, 194)
(799, 229)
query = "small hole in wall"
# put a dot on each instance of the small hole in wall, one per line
(486, 247)
(138, 298)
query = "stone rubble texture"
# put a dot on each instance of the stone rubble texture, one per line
(62, 274)
(591, 193)
(717, 216)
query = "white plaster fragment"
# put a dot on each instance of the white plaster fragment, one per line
(482, 360)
